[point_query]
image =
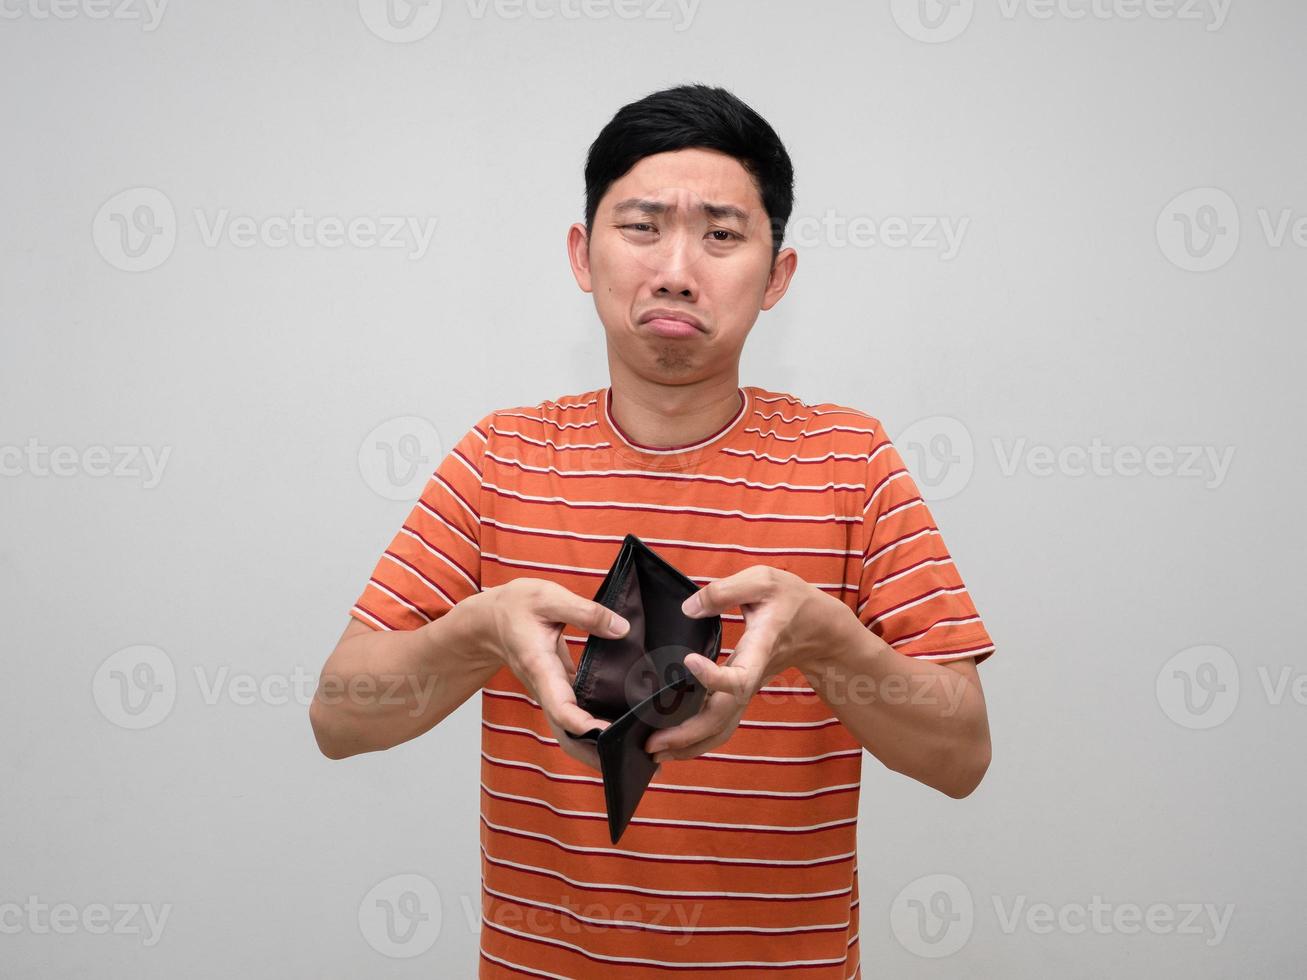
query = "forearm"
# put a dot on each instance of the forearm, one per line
(922, 719)
(381, 688)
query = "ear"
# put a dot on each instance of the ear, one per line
(578, 253)
(782, 271)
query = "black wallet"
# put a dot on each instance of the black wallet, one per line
(639, 681)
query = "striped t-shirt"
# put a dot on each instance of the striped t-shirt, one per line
(744, 859)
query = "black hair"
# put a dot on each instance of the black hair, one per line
(693, 116)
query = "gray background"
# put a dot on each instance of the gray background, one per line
(1144, 752)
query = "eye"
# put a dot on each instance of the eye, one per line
(730, 235)
(639, 226)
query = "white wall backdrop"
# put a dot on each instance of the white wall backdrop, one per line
(1057, 247)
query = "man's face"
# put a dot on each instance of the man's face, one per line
(683, 234)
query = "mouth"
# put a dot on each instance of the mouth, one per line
(672, 323)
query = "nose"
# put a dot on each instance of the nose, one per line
(673, 267)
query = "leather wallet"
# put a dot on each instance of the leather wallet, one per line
(639, 682)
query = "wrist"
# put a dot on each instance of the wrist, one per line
(842, 639)
(467, 632)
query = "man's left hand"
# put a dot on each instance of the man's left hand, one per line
(787, 622)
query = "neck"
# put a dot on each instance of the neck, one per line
(662, 416)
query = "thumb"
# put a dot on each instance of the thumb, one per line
(610, 623)
(699, 665)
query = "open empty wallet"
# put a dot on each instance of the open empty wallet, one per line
(639, 682)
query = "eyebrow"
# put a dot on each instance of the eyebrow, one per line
(646, 206)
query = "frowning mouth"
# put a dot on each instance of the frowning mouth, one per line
(672, 323)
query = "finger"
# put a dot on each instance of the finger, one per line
(696, 748)
(582, 751)
(716, 715)
(559, 703)
(741, 675)
(563, 606)
(742, 588)
(565, 655)
(714, 676)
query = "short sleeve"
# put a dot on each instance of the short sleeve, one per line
(910, 592)
(434, 559)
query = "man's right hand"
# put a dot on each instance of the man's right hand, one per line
(521, 624)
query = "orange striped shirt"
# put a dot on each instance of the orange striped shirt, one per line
(744, 859)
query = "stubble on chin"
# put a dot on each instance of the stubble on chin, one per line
(674, 357)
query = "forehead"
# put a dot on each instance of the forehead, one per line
(706, 174)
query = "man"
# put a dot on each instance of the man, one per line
(846, 626)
